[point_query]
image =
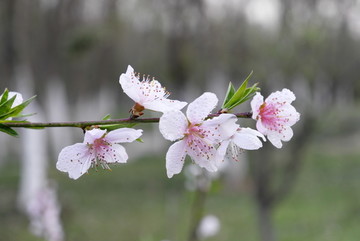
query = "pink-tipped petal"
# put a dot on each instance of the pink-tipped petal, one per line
(123, 135)
(201, 107)
(173, 125)
(75, 160)
(175, 158)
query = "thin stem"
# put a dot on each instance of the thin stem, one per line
(84, 124)
(197, 213)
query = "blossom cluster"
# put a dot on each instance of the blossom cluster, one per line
(207, 138)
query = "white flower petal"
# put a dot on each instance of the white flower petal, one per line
(221, 127)
(164, 105)
(201, 107)
(253, 132)
(151, 90)
(274, 138)
(123, 135)
(210, 165)
(289, 114)
(221, 151)
(114, 153)
(261, 128)
(92, 135)
(130, 84)
(287, 133)
(172, 125)
(281, 96)
(256, 102)
(248, 139)
(175, 158)
(205, 158)
(75, 160)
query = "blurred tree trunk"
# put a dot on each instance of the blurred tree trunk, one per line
(179, 40)
(265, 222)
(274, 176)
(262, 169)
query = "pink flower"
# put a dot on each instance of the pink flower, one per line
(98, 148)
(275, 115)
(243, 139)
(197, 137)
(147, 94)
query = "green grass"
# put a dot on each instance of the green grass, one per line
(136, 201)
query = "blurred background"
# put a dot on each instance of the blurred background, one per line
(70, 53)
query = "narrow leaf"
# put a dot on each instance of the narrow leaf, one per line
(17, 109)
(239, 94)
(4, 96)
(249, 93)
(8, 130)
(229, 93)
(117, 126)
(5, 107)
(107, 117)
(25, 115)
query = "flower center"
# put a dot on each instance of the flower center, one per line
(198, 143)
(271, 118)
(194, 130)
(100, 143)
(152, 89)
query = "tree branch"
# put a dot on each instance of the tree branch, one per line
(84, 124)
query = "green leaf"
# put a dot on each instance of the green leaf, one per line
(140, 140)
(8, 130)
(229, 93)
(248, 94)
(17, 109)
(25, 115)
(13, 121)
(117, 126)
(239, 94)
(5, 107)
(4, 96)
(107, 117)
